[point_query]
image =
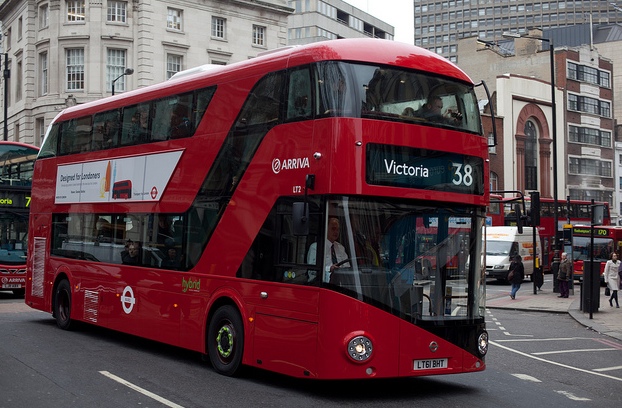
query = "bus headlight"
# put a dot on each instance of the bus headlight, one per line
(482, 343)
(359, 348)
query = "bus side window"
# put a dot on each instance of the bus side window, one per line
(262, 105)
(50, 145)
(105, 129)
(135, 124)
(299, 95)
(202, 100)
(76, 136)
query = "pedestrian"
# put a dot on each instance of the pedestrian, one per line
(516, 275)
(612, 279)
(563, 276)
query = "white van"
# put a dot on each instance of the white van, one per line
(502, 243)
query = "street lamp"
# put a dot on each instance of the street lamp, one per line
(7, 75)
(128, 71)
(554, 130)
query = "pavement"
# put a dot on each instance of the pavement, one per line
(604, 319)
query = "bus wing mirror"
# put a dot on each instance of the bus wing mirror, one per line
(300, 216)
(519, 218)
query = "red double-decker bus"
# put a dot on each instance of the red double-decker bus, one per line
(607, 240)
(569, 212)
(243, 178)
(16, 170)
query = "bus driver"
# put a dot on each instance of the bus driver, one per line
(334, 252)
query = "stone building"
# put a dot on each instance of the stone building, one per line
(64, 52)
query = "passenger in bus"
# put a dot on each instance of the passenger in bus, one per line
(165, 234)
(131, 254)
(432, 110)
(334, 252)
(180, 124)
(104, 232)
(172, 261)
(409, 112)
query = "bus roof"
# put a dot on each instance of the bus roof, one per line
(373, 51)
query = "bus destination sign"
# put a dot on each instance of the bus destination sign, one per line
(14, 199)
(408, 167)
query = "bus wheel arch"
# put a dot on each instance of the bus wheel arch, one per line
(225, 338)
(61, 302)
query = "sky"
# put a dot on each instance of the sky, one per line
(398, 13)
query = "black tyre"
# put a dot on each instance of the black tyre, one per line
(225, 340)
(62, 305)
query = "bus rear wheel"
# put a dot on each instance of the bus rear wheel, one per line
(62, 305)
(225, 340)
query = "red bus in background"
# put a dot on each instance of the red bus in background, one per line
(16, 170)
(607, 239)
(222, 247)
(495, 214)
(572, 212)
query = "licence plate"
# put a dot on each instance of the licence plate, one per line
(430, 364)
(11, 286)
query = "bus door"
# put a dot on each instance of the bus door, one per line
(285, 297)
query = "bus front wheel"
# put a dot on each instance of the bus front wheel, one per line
(62, 305)
(225, 340)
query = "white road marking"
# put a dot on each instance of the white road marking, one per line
(140, 390)
(572, 396)
(526, 377)
(561, 338)
(570, 351)
(517, 335)
(555, 363)
(608, 369)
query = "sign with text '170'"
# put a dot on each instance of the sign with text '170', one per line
(409, 167)
(136, 178)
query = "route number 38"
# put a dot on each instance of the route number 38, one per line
(463, 174)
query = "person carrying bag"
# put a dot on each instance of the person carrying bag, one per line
(612, 279)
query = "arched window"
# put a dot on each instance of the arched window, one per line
(531, 156)
(494, 181)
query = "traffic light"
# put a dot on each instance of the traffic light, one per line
(535, 209)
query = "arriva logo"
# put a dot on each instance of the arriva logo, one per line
(289, 164)
(190, 284)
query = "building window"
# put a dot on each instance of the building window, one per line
(259, 35)
(39, 131)
(531, 157)
(18, 82)
(356, 23)
(586, 135)
(115, 67)
(589, 167)
(494, 181)
(327, 10)
(174, 19)
(20, 28)
(588, 74)
(117, 12)
(173, 64)
(589, 105)
(44, 16)
(8, 37)
(75, 69)
(75, 11)
(219, 26)
(43, 73)
(491, 143)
